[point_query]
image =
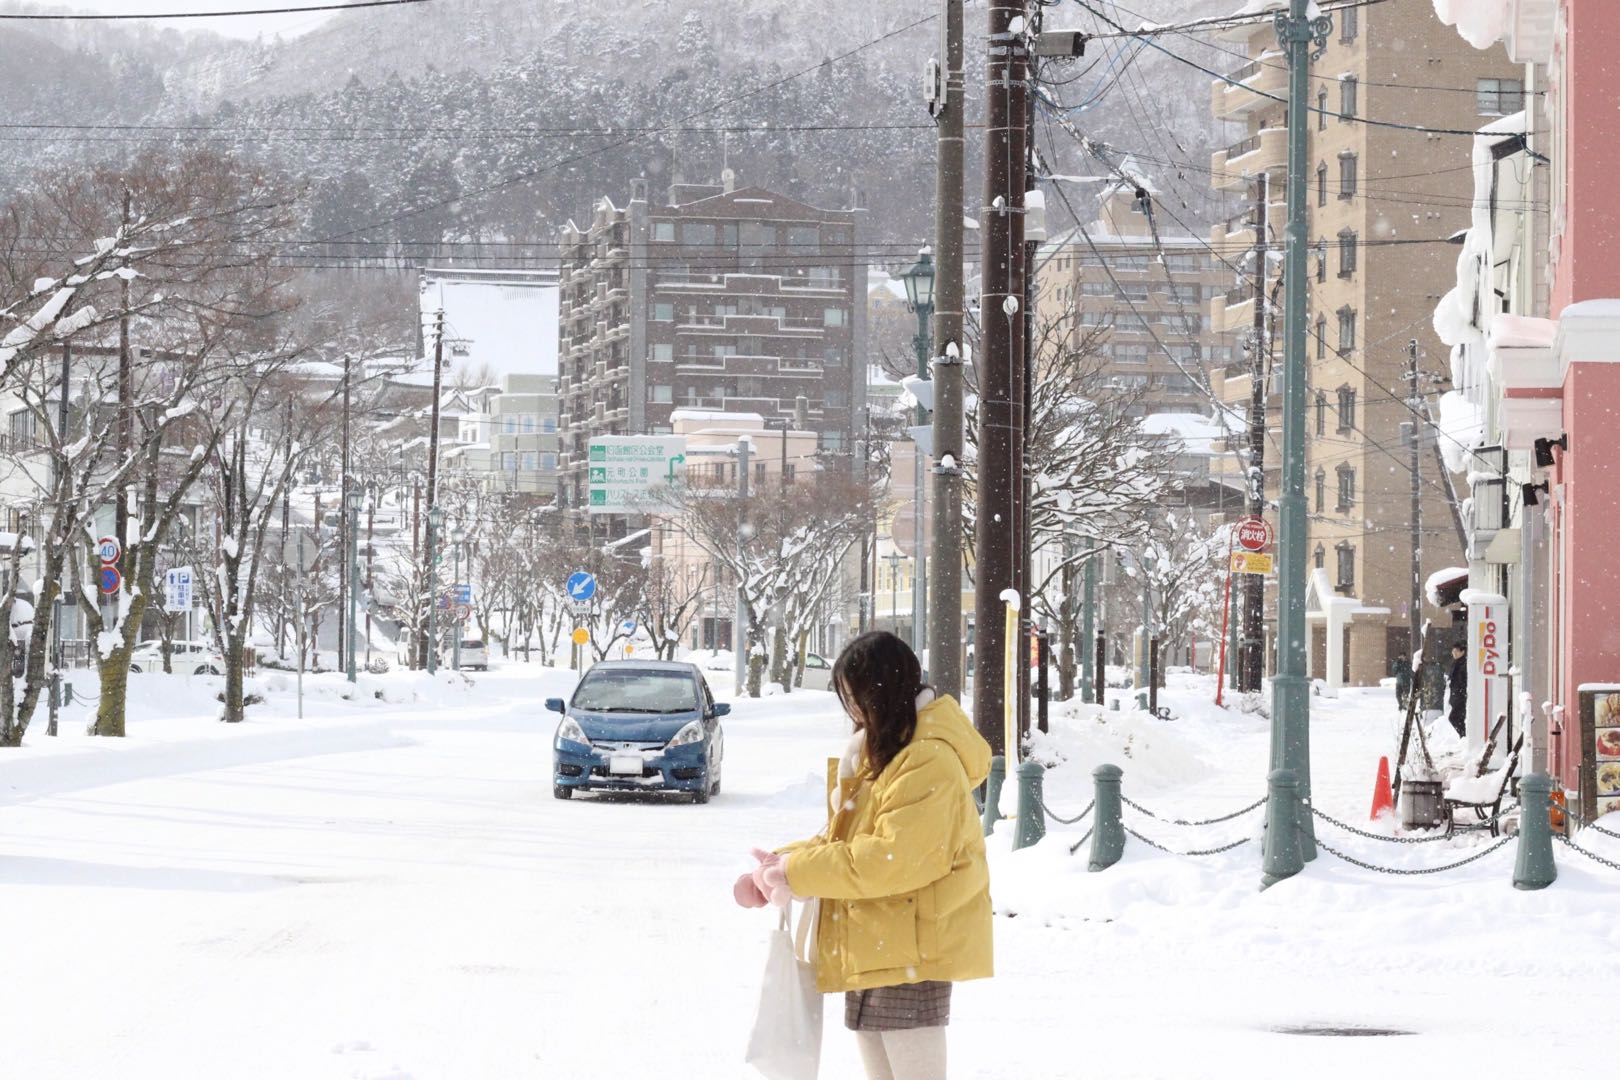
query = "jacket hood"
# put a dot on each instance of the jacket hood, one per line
(943, 719)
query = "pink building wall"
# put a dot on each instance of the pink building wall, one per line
(1588, 264)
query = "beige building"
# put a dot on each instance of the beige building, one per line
(1382, 202)
(1157, 300)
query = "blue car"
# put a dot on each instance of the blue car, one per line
(635, 725)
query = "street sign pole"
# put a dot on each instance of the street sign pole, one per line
(740, 634)
(455, 649)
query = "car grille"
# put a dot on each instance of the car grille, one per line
(607, 774)
(625, 747)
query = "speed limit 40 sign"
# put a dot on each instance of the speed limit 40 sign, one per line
(1254, 534)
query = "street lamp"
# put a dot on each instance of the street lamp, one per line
(458, 536)
(919, 281)
(355, 501)
(435, 523)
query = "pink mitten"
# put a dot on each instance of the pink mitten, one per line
(773, 882)
(747, 893)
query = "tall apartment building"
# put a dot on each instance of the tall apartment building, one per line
(720, 298)
(1158, 300)
(1382, 204)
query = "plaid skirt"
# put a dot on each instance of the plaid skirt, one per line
(898, 1008)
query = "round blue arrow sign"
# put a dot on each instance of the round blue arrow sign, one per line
(581, 585)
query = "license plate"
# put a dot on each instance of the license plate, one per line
(620, 765)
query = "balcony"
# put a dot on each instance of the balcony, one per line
(1258, 78)
(1232, 312)
(1234, 168)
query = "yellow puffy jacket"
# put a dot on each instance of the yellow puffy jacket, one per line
(900, 871)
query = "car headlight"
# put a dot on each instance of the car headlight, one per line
(691, 733)
(570, 731)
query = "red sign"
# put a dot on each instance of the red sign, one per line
(110, 579)
(1254, 534)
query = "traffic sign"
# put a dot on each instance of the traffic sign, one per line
(581, 636)
(1253, 562)
(109, 549)
(111, 579)
(462, 594)
(462, 613)
(1254, 534)
(581, 586)
(624, 468)
(177, 589)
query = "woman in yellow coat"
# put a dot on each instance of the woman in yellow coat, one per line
(900, 871)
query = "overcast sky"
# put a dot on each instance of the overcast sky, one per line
(247, 26)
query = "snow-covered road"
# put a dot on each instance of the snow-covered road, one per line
(393, 893)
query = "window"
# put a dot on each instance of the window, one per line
(759, 473)
(1347, 409)
(837, 397)
(1130, 354)
(1321, 413)
(531, 460)
(1347, 487)
(662, 354)
(832, 356)
(1347, 564)
(833, 316)
(1347, 330)
(789, 472)
(22, 427)
(509, 460)
(1347, 252)
(804, 240)
(1321, 109)
(1321, 182)
(660, 394)
(698, 234)
(526, 423)
(832, 440)
(1321, 489)
(1321, 337)
(1499, 97)
(1347, 176)
(663, 230)
(1319, 557)
(509, 426)
(1348, 18)
(1347, 98)
(663, 312)
(1321, 260)
(548, 425)
(548, 462)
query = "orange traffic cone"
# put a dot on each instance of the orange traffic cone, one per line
(1383, 803)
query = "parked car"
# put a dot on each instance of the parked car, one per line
(639, 725)
(185, 657)
(474, 655)
(817, 673)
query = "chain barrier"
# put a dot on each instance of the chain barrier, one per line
(1400, 871)
(1076, 845)
(1077, 819)
(1207, 821)
(1595, 827)
(1377, 836)
(1594, 856)
(1203, 851)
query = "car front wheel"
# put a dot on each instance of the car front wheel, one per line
(558, 791)
(702, 794)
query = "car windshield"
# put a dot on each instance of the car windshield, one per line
(636, 690)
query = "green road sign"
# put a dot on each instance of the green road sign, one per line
(624, 469)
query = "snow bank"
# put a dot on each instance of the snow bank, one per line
(1462, 427)
(1482, 23)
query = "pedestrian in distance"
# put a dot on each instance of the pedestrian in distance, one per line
(1458, 690)
(899, 872)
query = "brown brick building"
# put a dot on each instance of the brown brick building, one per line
(736, 299)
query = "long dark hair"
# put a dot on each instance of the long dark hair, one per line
(877, 679)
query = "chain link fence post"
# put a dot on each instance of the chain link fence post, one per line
(1031, 825)
(1282, 855)
(1108, 835)
(992, 793)
(1533, 866)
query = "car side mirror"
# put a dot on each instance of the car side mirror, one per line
(721, 709)
(556, 704)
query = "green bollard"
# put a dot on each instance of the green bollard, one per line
(1108, 833)
(992, 793)
(1031, 824)
(1282, 855)
(1533, 867)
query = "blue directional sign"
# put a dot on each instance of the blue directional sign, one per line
(581, 586)
(462, 594)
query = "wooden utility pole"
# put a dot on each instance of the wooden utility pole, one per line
(996, 540)
(1251, 656)
(1415, 453)
(126, 405)
(344, 582)
(428, 574)
(945, 563)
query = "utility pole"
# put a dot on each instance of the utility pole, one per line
(945, 566)
(346, 532)
(868, 542)
(371, 525)
(1415, 453)
(126, 405)
(425, 647)
(740, 644)
(1000, 462)
(1088, 631)
(1251, 656)
(57, 607)
(1299, 35)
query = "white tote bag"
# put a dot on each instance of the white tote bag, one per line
(786, 1040)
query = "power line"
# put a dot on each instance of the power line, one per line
(125, 17)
